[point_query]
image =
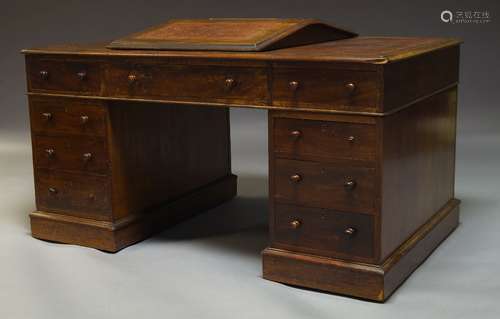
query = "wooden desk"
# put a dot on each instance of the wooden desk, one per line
(361, 150)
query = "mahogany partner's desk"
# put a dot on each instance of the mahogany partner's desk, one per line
(361, 150)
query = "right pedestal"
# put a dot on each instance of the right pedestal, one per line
(358, 202)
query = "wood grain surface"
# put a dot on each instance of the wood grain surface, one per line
(361, 147)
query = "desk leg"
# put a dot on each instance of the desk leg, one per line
(166, 164)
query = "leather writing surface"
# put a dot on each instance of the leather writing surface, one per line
(231, 35)
(223, 31)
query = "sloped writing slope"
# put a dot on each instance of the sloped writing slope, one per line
(232, 35)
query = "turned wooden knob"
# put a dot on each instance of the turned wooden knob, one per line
(349, 184)
(52, 190)
(87, 157)
(44, 75)
(50, 152)
(295, 178)
(295, 224)
(351, 87)
(295, 134)
(229, 83)
(82, 75)
(293, 85)
(84, 119)
(132, 78)
(350, 231)
(47, 116)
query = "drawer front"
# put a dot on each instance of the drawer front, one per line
(61, 75)
(343, 90)
(85, 154)
(324, 232)
(323, 185)
(73, 194)
(308, 139)
(70, 116)
(237, 85)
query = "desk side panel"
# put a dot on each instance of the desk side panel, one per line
(410, 79)
(161, 152)
(418, 166)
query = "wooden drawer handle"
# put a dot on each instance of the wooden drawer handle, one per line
(293, 85)
(229, 83)
(295, 224)
(87, 157)
(82, 75)
(350, 231)
(84, 119)
(351, 87)
(52, 190)
(350, 138)
(47, 116)
(295, 178)
(44, 75)
(350, 184)
(50, 152)
(132, 78)
(296, 134)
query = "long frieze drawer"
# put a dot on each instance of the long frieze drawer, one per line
(344, 90)
(308, 139)
(62, 75)
(73, 194)
(239, 85)
(322, 231)
(50, 115)
(324, 185)
(85, 154)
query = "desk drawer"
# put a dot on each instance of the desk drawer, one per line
(49, 115)
(73, 194)
(239, 85)
(308, 139)
(63, 76)
(324, 232)
(323, 185)
(344, 90)
(85, 154)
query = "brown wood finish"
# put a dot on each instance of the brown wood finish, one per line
(418, 166)
(113, 236)
(410, 154)
(368, 281)
(190, 146)
(362, 52)
(340, 86)
(400, 89)
(80, 76)
(325, 185)
(73, 194)
(84, 154)
(187, 82)
(324, 232)
(324, 140)
(323, 88)
(120, 181)
(57, 116)
(361, 150)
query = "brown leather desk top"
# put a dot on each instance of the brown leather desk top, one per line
(371, 50)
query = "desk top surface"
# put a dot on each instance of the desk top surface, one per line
(373, 50)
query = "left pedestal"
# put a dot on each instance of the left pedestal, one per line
(109, 174)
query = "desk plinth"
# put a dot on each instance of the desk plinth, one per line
(361, 150)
